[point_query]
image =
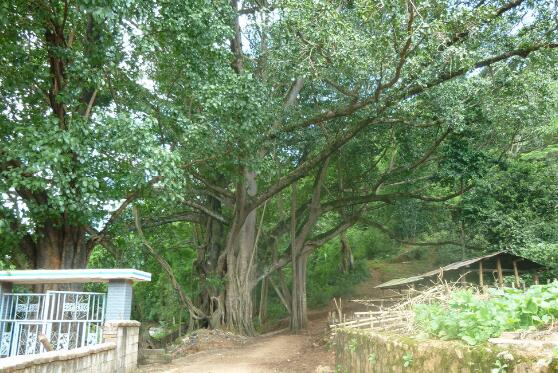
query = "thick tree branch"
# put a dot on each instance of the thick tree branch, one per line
(186, 216)
(236, 41)
(311, 244)
(389, 198)
(215, 188)
(120, 210)
(402, 55)
(206, 211)
(449, 75)
(293, 93)
(87, 113)
(341, 89)
(430, 150)
(460, 36)
(304, 168)
(322, 238)
(314, 207)
(419, 162)
(184, 298)
(414, 90)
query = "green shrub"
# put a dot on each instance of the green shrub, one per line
(473, 320)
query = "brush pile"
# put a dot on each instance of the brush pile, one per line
(205, 339)
(397, 314)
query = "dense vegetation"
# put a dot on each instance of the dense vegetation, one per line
(248, 155)
(474, 319)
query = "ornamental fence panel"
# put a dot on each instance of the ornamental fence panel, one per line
(68, 320)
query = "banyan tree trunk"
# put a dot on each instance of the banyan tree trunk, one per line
(206, 266)
(262, 314)
(299, 315)
(347, 260)
(240, 268)
(60, 246)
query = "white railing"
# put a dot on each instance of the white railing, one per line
(67, 319)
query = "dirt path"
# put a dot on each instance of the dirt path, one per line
(280, 352)
(277, 352)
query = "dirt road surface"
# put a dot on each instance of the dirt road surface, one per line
(279, 352)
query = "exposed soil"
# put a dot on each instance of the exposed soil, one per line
(272, 352)
(204, 340)
(215, 351)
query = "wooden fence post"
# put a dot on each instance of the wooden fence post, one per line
(481, 275)
(499, 269)
(516, 274)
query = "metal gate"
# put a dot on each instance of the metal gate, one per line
(68, 319)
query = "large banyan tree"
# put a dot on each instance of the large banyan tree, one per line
(254, 121)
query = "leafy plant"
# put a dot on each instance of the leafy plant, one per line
(408, 360)
(352, 345)
(474, 320)
(340, 369)
(499, 367)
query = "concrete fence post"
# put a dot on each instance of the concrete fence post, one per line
(119, 300)
(126, 336)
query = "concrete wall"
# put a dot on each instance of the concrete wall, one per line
(365, 351)
(98, 358)
(117, 354)
(126, 336)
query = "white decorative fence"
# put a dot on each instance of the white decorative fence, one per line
(68, 320)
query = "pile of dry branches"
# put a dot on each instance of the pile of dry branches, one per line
(399, 315)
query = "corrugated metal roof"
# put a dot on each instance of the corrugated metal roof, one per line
(449, 267)
(462, 263)
(400, 281)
